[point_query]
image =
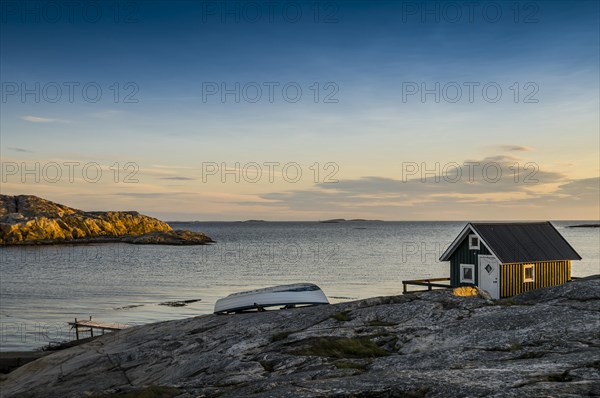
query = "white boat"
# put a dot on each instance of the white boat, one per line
(288, 296)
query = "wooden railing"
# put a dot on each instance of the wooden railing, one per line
(429, 283)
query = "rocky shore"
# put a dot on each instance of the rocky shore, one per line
(31, 220)
(432, 344)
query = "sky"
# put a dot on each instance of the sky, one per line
(304, 110)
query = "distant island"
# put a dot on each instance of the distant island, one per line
(31, 220)
(584, 226)
(338, 220)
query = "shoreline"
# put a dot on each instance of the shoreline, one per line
(99, 241)
(175, 238)
(11, 360)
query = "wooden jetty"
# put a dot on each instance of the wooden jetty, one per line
(89, 326)
(432, 282)
(429, 283)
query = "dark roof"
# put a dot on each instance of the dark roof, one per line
(521, 242)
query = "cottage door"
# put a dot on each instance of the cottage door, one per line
(489, 272)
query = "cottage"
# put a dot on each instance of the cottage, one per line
(509, 258)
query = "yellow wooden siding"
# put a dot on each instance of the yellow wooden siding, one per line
(547, 273)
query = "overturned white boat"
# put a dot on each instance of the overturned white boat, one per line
(288, 296)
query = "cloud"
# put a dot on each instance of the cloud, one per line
(37, 119)
(147, 195)
(514, 148)
(19, 149)
(178, 178)
(162, 166)
(502, 183)
(107, 114)
(585, 190)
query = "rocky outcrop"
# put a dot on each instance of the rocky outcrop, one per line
(176, 237)
(26, 219)
(432, 344)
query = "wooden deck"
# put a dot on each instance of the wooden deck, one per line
(429, 283)
(89, 326)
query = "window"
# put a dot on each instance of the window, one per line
(473, 242)
(467, 273)
(529, 273)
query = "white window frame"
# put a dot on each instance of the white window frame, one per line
(526, 267)
(473, 247)
(462, 279)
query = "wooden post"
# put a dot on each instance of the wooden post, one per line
(403, 287)
(76, 329)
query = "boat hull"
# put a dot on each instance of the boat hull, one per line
(288, 295)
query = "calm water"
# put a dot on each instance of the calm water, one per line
(43, 287)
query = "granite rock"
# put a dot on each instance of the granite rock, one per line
(432, 344)
(27, 219)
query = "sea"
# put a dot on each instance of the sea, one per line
(44, 287)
